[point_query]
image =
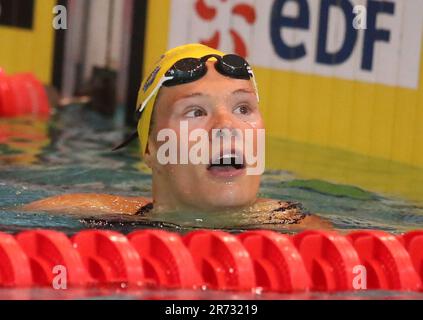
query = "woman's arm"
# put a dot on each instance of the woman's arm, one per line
(278, 214)
(88, 203)
(314, 222)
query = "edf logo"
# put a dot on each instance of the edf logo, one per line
(375, 41)
(242, 10)
(372, 34)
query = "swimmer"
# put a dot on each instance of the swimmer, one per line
(210, 91)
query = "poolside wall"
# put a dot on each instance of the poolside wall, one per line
(368, 103)
(30, 48)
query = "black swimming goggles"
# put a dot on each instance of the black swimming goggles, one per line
(191, 69)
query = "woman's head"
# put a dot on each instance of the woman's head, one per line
(201, 171)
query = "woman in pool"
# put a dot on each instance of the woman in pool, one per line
(211, 91)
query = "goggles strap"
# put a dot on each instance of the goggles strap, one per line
(252, 76)
(158, 86)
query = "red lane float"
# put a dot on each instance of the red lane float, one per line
(278, 265)
(387, 262)
(22, 94)
(36, 92)
(330, 259)
(109, 257)
(165, 259)
(310, 260)
(413, 243)
(223, 261)
(50, 254)
(6, 98)
(15, 270)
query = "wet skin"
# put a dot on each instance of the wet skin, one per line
(213, 102)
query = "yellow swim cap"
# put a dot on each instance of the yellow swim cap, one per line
(148, 86)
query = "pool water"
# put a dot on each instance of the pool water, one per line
(71, 152)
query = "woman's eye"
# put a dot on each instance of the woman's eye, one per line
(244, 109)
(195, 113)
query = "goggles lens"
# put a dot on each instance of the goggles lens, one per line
(184, 71)
(234, 66)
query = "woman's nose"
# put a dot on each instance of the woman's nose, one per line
(224, 125)
(223, 119)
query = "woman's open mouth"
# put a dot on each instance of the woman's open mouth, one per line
(229, 165)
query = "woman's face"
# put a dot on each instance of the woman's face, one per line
(210, 103)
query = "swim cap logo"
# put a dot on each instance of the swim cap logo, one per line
(150, 79)
(209, 13)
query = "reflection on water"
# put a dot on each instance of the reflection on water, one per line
(71, 153)
(22, 140)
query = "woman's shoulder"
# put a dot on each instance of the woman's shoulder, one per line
(290, 214)
(88, 203)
